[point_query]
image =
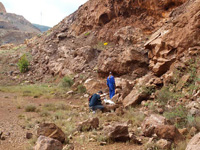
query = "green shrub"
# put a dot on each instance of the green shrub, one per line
(166, 94)
(81, 88)
(179, 113)
(67, 81)
(23, 64)
(148, 89)
(30, 108)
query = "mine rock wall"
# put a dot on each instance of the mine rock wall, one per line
(76, 44)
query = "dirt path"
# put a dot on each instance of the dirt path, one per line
(14, 130)
(10, 124)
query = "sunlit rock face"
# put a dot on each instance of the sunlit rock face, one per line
(116, 32)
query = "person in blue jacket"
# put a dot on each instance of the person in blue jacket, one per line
(95, 101)
(111, 84)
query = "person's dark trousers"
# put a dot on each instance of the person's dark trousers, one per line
(97, 107)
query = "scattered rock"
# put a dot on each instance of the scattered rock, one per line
(51, 130)
(183, 131)
(119, 111)
(86, 95)
(70, 92)
(192, 131)
(160, 110)
(92, 123)
(68, 147)
(3, 138)
(134, 139)
(46, 143)
(116, 132)
(182, 82)
(164, 144)
(1, 133)
(29, 135)
(103, 143)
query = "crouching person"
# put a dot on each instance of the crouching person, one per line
(95, 102)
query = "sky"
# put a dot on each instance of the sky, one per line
(43, 12)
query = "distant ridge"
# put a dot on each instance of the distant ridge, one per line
(41, 27)
(15, 28)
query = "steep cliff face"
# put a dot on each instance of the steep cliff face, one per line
(14, 28)
(104, 36)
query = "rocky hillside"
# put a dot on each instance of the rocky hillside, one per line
(142, 42)
(104, 36)
(14, 28)
(153, 49)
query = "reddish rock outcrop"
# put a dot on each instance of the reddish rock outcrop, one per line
(175, 38)
(123, 25)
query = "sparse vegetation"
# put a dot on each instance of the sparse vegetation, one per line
(81, 88)
(148, 89)
(178, 116)
(166, 94)
(87, 34)
(67, 81)
(134, 115)
(30, 108)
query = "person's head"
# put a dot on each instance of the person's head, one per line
(100, 92)
(110, 73)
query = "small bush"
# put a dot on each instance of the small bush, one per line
(135, 116)
(148, 89)
(30, 108)
(44, 113)
(67, 81)
(81, 88)
(179, 112)
(164, 95)
(23, 64)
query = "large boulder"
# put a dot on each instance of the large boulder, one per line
(136, 96)
(46, 143)
(194, 143)
(124, 86)
(168, 132)
(140, 91)
(130, 59)
(116, 132)
(151, 123)
(92, 123)
(51, 130)
(94, 85)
